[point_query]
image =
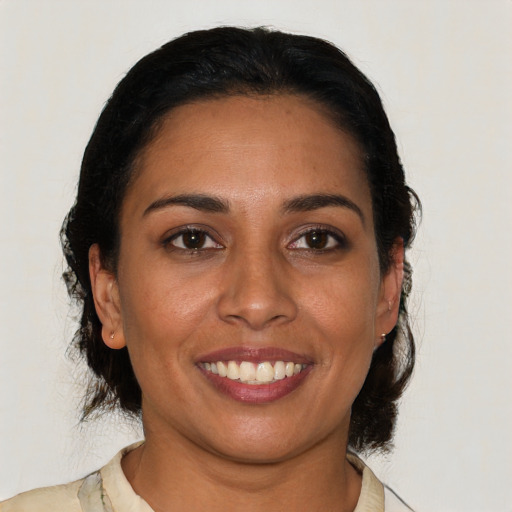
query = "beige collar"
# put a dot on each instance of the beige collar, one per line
(371, 498)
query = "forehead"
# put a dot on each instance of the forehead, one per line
(262, 146)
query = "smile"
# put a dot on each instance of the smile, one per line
(254, 374)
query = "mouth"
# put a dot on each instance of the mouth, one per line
(255, 375)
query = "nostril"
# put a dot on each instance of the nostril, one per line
(256, 313)
(255, 291)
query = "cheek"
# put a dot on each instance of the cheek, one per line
(342, 309)
(160, 307)
(162, 315)
(344, 301)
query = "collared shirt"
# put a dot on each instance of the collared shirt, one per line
(108, 490)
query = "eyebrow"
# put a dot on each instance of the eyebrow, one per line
(211, 204)
(197, 201)
(312, 202)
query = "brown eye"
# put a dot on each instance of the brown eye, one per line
(317, 239)
(192, 240)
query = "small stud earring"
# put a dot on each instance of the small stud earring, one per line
(383, 337)
(112, 334)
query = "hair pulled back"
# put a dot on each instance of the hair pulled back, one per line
(222, 62)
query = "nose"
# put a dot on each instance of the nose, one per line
(256, 291)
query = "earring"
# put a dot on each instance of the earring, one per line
(390, 304)
(383, 337)
(112, 334)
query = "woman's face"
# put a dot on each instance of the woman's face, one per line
(248, 247)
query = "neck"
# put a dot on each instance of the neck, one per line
(173, 473)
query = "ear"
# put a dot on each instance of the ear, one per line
(106, 300)
(390, 292)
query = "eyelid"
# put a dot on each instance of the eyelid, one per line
(336, 234)
(175, 233)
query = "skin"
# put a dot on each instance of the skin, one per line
(256, 282)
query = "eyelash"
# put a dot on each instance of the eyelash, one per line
(335, 240)
(191, 230)
(332, 239)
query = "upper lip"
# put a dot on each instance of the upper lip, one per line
(253, 355)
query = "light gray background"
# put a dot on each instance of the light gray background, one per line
(444, 69)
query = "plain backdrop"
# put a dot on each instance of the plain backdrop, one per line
(444, 69)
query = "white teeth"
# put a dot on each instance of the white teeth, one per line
(279, 370)
(264, 372)
(251, 373)
(233, 371)
(223, 371)
(247, 371)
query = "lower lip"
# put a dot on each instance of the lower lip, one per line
(256, 393)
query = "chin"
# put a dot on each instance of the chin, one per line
(263, 440)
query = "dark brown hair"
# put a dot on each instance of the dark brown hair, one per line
(215, 63)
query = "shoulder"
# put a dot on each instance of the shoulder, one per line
(55, 499)
(83, 495)
(375, 496)
(102, 491)
(393, 502)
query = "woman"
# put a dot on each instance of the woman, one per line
(238, 247)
